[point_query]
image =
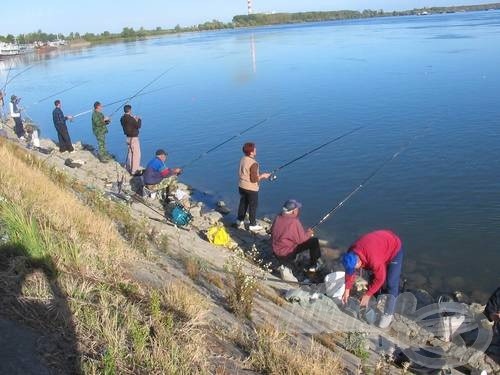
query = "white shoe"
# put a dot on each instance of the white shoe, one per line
(240, 224)
(385, 321)
(255, 228)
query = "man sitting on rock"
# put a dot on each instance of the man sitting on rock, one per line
(289, 238)
(381, 253)
(157, 177)
(492, 312)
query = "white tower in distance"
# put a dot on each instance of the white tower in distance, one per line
(250, 10)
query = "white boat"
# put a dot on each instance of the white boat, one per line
(9, 49)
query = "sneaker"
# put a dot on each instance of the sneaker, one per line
(239, 224)
(255, 228)
(385, 321)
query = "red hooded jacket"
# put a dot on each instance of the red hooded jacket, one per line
(375, 250)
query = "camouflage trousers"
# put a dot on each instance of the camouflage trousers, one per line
(101, 145)
(168, 184)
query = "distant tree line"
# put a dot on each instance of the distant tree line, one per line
(259, 19)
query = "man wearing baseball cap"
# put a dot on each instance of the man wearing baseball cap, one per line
(289, 238)
(381, 253)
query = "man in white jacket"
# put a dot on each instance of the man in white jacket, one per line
(15, 113)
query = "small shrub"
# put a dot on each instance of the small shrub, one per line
(240, 295)
(355, 342)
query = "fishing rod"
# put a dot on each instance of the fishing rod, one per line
(362, 184)
(123, 100)
(7, 77)
(227, 141)
(60, 92)
(18, 74)
(142, 89)
(273, 173)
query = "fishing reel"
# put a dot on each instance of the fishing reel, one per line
(273, 177)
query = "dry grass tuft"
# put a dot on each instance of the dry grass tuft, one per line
(274, 352)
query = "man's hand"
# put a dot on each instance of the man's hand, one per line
(264, 176)
(495, 316)
(69, 117)
(345, 296)
(137, 118)
(177, 171)
(107, 119)
(310, 232)
(364, 300)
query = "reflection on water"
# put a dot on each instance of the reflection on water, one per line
(395, 76)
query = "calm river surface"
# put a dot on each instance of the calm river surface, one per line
(435, 77)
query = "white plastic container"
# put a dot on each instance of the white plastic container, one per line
(335, 284)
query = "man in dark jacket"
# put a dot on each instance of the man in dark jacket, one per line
(131, 125)
(157, 176)
(62, 130)
(492, 312)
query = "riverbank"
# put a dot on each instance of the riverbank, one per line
(140, 295)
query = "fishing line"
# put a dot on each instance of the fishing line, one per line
(363, 183)
(125, 99)
(142, 89)
(228, 140)
(273, 173)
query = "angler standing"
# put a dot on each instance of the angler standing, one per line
(15, 113)
(131, 125)
(100, 129)
(62, 130)
(250, 177)
(381, 253)
(2, 104)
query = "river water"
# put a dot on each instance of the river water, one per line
(430, 79)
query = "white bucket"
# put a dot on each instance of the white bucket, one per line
(335, 284)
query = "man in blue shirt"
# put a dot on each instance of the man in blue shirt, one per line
(157, 176)
(62, 130)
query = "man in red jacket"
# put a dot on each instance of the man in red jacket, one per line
(289, 238)
(381, 253)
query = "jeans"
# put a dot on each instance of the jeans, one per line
(392, 281)
(248, 202)
(18, 127)
(312, 244)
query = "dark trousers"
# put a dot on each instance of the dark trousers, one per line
(248, 202)
(311, 245)
(64, 139)
(18, 127)
(394, 269)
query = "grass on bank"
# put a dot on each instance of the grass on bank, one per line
(62, 256)
(61, 272)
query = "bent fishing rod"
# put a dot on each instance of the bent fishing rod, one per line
(227, 141)
(18, 74)
(123, 100)
(273, 172)
(142, 89)
(361, 185)
(7, 77)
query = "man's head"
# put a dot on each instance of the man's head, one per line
(98, 106)
(161, 154)
(57, 103)
(351, 262)
(14, 99)
(127, 108)
(291, 207)
(249, 149)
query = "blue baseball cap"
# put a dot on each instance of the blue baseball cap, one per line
(291, 205)
(349, 260)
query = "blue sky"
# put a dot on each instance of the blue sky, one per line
(97, 16)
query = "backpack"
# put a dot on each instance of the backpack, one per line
(180, 216)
